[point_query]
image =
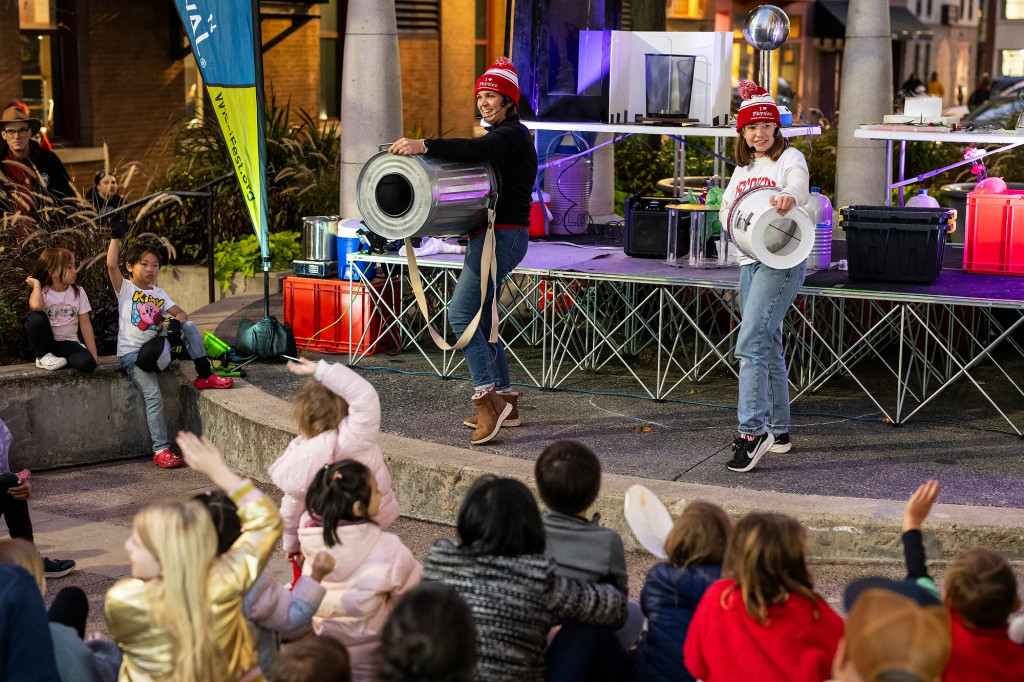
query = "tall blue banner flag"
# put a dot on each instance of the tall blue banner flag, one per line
(226, 42)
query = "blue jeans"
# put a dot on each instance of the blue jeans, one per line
(150, 386)
(765, 296)
(488, 365)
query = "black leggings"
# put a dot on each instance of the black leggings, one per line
(41, 341)
(15, 512)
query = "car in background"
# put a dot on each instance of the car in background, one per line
(1000, 112)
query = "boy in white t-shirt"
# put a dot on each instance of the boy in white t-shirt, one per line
(142, 307)
(60, 309)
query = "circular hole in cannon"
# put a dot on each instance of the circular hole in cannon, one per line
(394, 195)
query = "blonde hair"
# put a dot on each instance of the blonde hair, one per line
(23, 553)
(766, 558)
(318, 409)
(181, 537)
(699, 535)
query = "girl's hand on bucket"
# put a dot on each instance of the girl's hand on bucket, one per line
(782, 203)
(407, 146)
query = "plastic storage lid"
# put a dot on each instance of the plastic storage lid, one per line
(815, 189)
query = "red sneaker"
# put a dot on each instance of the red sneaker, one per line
(214, 381)
(165, 459)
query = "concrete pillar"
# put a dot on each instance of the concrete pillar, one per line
(371, 91)
(865, 96)
(602, 194)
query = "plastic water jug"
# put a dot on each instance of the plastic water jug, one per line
(819, 208)
(922, 200)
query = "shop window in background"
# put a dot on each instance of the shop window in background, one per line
(685, 9)
(1012, 63)
(41, 73)
(1014, 9)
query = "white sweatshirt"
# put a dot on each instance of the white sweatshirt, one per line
(789, 173)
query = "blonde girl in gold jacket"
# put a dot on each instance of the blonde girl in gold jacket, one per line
(179, 617)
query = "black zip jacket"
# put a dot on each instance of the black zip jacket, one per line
(509, 147)
(55, 181)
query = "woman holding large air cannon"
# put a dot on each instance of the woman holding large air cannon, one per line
(510, 150)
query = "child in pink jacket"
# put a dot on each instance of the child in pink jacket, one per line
(371, 567)
(338, 415)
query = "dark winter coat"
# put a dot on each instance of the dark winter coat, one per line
(26, 649)
(515, 601)
(52, 181)
(668, 599)
(510, 149)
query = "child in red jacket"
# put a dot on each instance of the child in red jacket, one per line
(981, 593)
(764, 621)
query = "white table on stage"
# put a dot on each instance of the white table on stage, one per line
(1009, 138)
(719, 133)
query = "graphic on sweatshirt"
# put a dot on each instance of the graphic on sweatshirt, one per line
(146, 311)
(61, 314)
(751, 183)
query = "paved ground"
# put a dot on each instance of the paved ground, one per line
(86, 513)
(840, 446)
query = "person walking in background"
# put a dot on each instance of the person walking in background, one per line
(934, 86)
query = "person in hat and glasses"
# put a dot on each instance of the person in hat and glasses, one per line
(30, 177)
(509, 147)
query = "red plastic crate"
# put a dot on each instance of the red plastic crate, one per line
(994, 238)
(327, 305)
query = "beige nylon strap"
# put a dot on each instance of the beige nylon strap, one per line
(488, 270)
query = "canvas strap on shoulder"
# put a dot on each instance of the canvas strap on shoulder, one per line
(488, 271)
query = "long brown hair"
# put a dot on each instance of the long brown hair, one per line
(744, 157)
(766, 558)
(51, 260)
(699, 535)
(318, 409)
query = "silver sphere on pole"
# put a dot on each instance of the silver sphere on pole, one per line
(766, 28)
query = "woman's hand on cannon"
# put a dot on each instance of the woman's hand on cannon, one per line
(408, 147)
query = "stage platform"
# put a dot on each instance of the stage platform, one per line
(573, 311)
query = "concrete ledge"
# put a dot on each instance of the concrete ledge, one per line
(430, 481)
(67, 418)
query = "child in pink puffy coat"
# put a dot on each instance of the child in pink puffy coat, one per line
(371, 567)
(338, 415)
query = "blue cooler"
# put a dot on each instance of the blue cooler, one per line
(348, 242)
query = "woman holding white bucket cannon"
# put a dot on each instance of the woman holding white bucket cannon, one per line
(764, 159)
(509, 148)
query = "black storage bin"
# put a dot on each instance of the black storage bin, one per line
(894, 243)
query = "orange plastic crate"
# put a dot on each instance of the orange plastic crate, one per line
(327, 305)
(994, 237)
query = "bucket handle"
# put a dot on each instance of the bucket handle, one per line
(384, 147)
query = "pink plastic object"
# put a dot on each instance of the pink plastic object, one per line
(994, 185)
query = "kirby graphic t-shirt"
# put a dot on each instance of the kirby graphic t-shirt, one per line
(62, 308)
(140, 314)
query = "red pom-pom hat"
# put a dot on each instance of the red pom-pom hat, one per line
(757, 107)
(500, 78)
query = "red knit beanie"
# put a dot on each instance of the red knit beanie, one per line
(757, 107)
(501, 78)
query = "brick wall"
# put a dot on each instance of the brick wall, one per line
(132, 88)
(10, 53)
(420, 86)
(291, 69)
(458, 77)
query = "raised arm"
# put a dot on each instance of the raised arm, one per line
(917, 510)
(113, 267)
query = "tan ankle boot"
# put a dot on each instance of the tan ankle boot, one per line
(491, 411)
(513, 417)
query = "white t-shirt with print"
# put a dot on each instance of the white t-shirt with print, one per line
(140, 314)
(789, 174)
(62, 308)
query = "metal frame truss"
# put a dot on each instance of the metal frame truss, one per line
(670, 333)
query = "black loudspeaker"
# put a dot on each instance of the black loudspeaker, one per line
(646, 230)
